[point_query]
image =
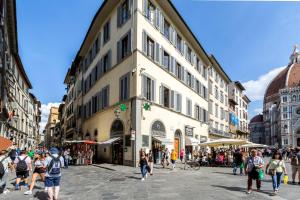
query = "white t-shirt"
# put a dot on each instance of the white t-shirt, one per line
(28, 160)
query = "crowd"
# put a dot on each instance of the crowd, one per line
(37, 163)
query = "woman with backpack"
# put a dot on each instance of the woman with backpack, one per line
(275, 168)
(39, 170)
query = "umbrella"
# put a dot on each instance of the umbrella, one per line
(254, 145)
(223, 142)
(5, 143)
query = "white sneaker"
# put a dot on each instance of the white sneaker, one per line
(6, 191)
(146, 176)
(143, 179)
(29, 192)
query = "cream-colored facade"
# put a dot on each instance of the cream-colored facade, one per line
(49, 128)
(218, 101)
(140, 81)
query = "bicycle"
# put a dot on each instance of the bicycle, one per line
(193, 164)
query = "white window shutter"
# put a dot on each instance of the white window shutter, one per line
(162, 23)
(160, 95)
(145, 7)
(144, 86)
(156, 52)
(144, 38)
(153, 90)
(172, 99)
(157, 18)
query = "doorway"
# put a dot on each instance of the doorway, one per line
(157, 150)
(117, 147)
(177, 142)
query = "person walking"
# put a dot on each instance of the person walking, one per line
(295, 163)
(253, 165)
(143, 164)
(22, 166)
(39, 170)
(150, 162)
(275, 168)
(66, 154)
(167, 154)
(173, 158)
(181, 154)
(53, 164)
(238, 161)
(5, 163)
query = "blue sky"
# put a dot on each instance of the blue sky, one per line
(251, 40)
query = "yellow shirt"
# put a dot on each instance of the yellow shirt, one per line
(277, 165)
(173, 155)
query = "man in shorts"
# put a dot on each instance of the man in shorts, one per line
(53, 164)
(22, 166)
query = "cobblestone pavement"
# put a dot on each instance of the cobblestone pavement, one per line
(119, 182)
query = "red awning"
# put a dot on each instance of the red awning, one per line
(5, 143)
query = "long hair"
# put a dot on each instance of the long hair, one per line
(277, 153)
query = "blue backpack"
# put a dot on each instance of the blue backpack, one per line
(54, 166)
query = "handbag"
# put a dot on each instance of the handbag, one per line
(271, 172)
(148, 168)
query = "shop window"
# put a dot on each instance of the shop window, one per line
(145, 140)
(127, 140)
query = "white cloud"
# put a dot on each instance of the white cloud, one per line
(258, 110)
(45, 108)
(255, 89)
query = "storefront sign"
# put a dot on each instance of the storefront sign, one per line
(158, 129)
(189, 131)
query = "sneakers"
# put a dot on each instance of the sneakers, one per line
(29, 192)
(248, 192)
(146, 176)
(142, 179)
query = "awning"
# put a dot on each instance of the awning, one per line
(110, 141)
(190, 141)
(5, 143)
(163, 140)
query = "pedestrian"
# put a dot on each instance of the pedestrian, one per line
(53, 164)
(167, 153)
(143, 164)
(39, 170)
(181, 154)
(275, 168)
(253, 166)
(295, 163)
(91, 155)
(5, 163)
(173, 158)
(238, 162)
(22, 166)
(66, 154)
(150, 162)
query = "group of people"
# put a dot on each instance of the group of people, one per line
(42, 163)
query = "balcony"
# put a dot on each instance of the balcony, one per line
(214, 131)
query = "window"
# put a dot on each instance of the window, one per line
(124, 87)
(123, 13)
(105, 97)
(216, 92)
(189, 55)
(178, 71)
(284, 99)
(204, 92)
(198, 86)
(148, 88)
(216, 110)
(179, 43)
(106, 32)
(221, 97)
(189, 79)
(124, 46)
(222, 113)
(106, 62)
(188, 107)
(210, 86)
(150, 47)
(226, 101)
(197, 112)
(145, 140)
(167, 29)
(178, 102)
(294, 98)
(149, 11)
(284, 109)
(166, 97)
(94, 104)
(217, 125)
(210, 107)
(166, 60)
(285, 116)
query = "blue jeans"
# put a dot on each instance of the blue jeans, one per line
(66, 162)
(143, 170)
(276, 179)
(235, 166)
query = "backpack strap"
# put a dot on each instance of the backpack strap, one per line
(53, 159)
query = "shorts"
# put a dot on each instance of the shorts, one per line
(22, 174)
(52, 181)
(39, 171)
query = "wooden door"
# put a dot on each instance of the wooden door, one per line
(176, 146)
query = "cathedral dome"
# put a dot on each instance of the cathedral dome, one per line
(288, 77)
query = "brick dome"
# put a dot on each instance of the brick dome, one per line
(257, 118)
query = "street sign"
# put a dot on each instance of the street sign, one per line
(123, 107)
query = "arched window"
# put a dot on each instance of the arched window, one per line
(294, 98)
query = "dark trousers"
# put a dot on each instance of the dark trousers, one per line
(250, 180)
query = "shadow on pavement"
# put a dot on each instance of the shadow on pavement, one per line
(241, 189)
(41, 195)
(227, 173)
(133, 177)
(107, 168)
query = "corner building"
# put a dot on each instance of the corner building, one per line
(140, 80)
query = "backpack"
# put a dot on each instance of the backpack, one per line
(54, 166)
(2, 170)
(22, 165)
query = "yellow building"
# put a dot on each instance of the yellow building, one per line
(49, 128)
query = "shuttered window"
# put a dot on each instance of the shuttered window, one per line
(124, 12)
(148, 88)
(106, 32)
(124, 47)
(188, 107)
(124, 87)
